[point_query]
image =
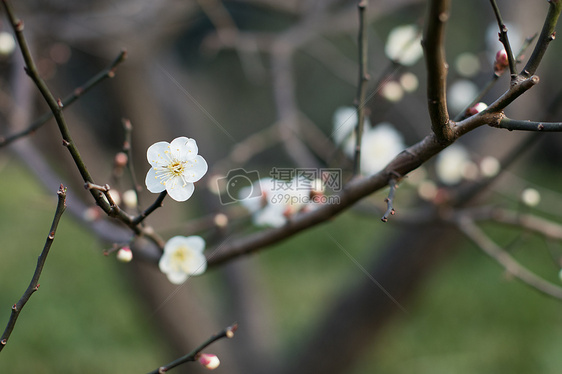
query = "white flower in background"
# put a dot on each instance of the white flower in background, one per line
(379, 145)
(175, 167)
(344, 121)
(182, 258)
(7, 44)
(409, 82)
(278, 200)
(404, 45)
(530, 197)
(460, 95)
(255, 197)
(490, 166)
(392, 91)
(130, 199)
(467, 64)
(451, 163)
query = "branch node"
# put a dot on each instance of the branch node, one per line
(65, 143)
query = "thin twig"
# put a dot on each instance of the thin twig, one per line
(361, 86)
(547, 35)
(504, 39)
(108, 72)
(157, 204)
(390, 200)
(127, 148)
(193, 355)
(474, 233)
(524, 125)
(34, 284)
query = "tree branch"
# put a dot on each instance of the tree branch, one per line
(193, 355)
(361, 86)
(108, 72)
(478, 237)
(504, 39)
(34, 284)
(433, 44)
(523, 125)
(547, 35)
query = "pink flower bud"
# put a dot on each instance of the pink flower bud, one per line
(476, 108)
(121, 159)
(125, 254)
(501, 63)
(209, 361)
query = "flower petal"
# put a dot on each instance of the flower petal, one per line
(157, 153)
(195, 243)
(177, 277)
(178, 190)
(183, 148)
(198, 264)
(195, 169)
(154, 184)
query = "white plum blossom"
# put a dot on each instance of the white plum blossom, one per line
(175, 167)
(404, 45)
(182, 258)
(277, 200)
(451, 163)
(379, 145)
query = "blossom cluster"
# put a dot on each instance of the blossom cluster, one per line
(278, 200)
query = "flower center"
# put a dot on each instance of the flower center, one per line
(180, 255)
(176, 168)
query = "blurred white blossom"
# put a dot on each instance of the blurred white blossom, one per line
(460, 94)
(404, 45)
(530, 197)
(7, 44)
(182, 258)
(392, 91)
(379, 145)
(278, 200)
(409, 82)
(451, 163)
(467, 64)
(490, 166)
